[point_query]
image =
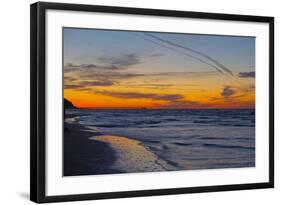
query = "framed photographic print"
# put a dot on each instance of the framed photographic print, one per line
(129, 102)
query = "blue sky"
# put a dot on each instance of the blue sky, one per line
(127, 69)
(86, 46)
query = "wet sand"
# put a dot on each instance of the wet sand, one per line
(133, 156)
(84, 156)
(87, 152)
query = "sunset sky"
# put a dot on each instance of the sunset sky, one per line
(125, 69)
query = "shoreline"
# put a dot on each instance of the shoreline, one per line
(90, 153)
(85, 156)
(133, 156)
(97, 151)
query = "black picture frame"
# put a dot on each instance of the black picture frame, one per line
(38, 101)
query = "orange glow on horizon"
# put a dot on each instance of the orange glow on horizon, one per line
(83, 99)
(109, 69)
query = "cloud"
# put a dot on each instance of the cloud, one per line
(69, 79)
(173, 100)
(251, 74)
(181, 52)
(249, 89)
(97, 83)
(152, 85)
(101, 75)
(185, 74)
(74, 87)
(169, 97)
(132, 95)
(201, 54)
(70, 67)
(117, 76)
(90, 66)
(158, 85)
(185, 104)
(84, 85)
(121, 62)
(106, 63)
(227, 91)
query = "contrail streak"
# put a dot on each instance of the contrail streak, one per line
(181, 52)
(191, 50)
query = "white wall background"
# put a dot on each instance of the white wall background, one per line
(14, 100)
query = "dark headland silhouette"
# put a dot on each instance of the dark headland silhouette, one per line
(67, 105)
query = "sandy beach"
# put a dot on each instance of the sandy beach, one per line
(133, 156)
(83, 156)
(117, 141)
(87, 152)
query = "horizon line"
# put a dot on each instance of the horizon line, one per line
(122, 108)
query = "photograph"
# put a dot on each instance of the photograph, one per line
(134, 102)
(145, 101)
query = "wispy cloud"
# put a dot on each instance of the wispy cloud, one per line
(70, 67)
(199, 53)
(82, 78)
(158, 85)
(113, 75)
(251, 74)
(73, 87)
(185, 104)
(103, 75)
(181, 52)
(85, 85)
(132, 95)
(97, 83)
(121, 62)
(171, 100)
(106, 63)
(69, 79)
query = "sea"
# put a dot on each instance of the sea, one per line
(184, 139)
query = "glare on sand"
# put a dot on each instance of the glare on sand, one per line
(132, 155)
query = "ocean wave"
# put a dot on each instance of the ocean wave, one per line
(190, 139)
(214, 138)
(235, 125)
(201, 121)
(204, 118)
(152, 141)
(171, 120)
(220, 123)
(182, 144)
(227, 146)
